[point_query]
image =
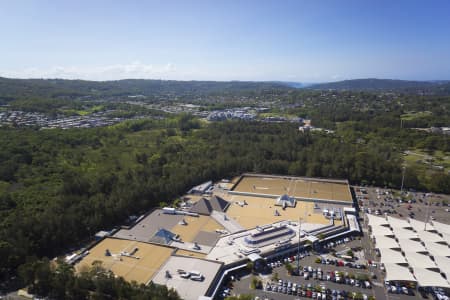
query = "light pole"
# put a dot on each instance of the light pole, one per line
(428, 209)
(403, 178)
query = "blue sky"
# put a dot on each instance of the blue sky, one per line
(306, 41)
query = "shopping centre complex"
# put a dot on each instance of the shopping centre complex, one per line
(220, 227)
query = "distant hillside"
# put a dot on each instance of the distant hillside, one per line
(373, 84)
(293, 84)
(61, 88)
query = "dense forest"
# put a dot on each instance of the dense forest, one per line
(60, 88)
(59, 186)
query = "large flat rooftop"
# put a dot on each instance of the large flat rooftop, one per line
(260, 211)
(187, 289)
(141, 269)
(298, 187)
(201, 229)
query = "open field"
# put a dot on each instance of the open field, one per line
(260, 211)
(424, 160)
(150, 259)
(296, 187)
(414, 115)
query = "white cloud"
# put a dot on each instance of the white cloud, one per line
(134, 69)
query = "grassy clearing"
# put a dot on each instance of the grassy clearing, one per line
(84, 112)
(427, 160)
(415, 115)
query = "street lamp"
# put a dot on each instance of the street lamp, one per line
(403, 178)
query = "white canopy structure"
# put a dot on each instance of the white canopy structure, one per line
(446, 237)
(443, 264)
(441, 227)
(418, 243)
(376, 221)
(381, 231)
(421, 261)
(395, 272)
(420, 226)
(384, 242)
(392, 256)
(437, 249)
(429, 237)
(426, 277)
(411, 245)
(404, 233)
(398, 223)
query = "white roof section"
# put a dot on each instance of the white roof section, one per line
(389, 256)
(187, 289)
(411, 245)
(420, 226)
(254, 257)
(381, 231)
(404, 233)
(353, 223)
(446, 237)
(398, 223)
(384, 242)
(437, 249)
(395, 272)
(426, 277)
(421, 261)
(441, 227)
(443, 264)
(376, 221)
(429, 237)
